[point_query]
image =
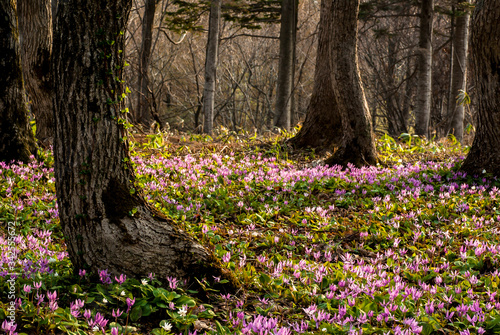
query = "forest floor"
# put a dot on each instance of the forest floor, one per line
(410, 246)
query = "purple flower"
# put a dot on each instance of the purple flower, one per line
(172, 282)
(121, 280)
(87, 314)
(105, 277)
(117, 313)
(52, 296)
(130, 303)
(9, 327)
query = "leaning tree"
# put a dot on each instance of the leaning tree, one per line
(484, 154)
(106, 222)
(357, 147)
(16, 138)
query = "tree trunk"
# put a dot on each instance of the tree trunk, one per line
(459, 70)
(286, 65)
(143, 110)
(424, 85)
(35, 27)
(16, 138)
(322, 127)
(106, 222)
(211, 66)
(357, 145)
(485, 52)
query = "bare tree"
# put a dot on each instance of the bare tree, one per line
(357, 145)
(459, 69)
(35, 27)
(424, 86)
(211, 66)
(322, 127)
(16, 138)
(143, 113)
(286, 65)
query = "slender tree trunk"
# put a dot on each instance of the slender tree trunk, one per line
(35, 27)
(485, 52)
(106, 222)
(143, 110)
(322, 127)
(285, 69)
(16, 138)
(424, 86)
(357, 145)
(459, 70)
(211, 66)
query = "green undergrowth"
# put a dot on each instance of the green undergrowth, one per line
(408, 246)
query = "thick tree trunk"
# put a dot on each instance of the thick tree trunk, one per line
(35, 27)
(485, 53)
(459, 70)
(105, 221)
(283, 109)
(211, 66)
(16, 138)
(357, 146)
(322, 127)
(143, 110)
(424, 85)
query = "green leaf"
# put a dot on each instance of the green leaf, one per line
(264, 279)
(185, 300)
(136, 313)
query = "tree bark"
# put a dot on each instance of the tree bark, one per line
(424, 85)
(357, 145)
(211, 66)
(106, 222)
(322, 127)
(35, 27)
(485, 53)
(286, 65)
(16, 137)
(459, 70)
(143, 110)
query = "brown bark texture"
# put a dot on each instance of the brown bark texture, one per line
(485, 53)
(211, 60)
(285, 68)
(35, 27)
(16, 137)
(322, 127)
(357, 147)
(106, 222)
(424, 73)
(459, 69)
(143, 110)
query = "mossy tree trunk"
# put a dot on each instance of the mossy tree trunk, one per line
(106, 223)
(485, 54)
(322, 127)
(16, 138)
(357, 147)
(35, 26)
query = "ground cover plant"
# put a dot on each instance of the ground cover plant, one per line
(410, 246)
